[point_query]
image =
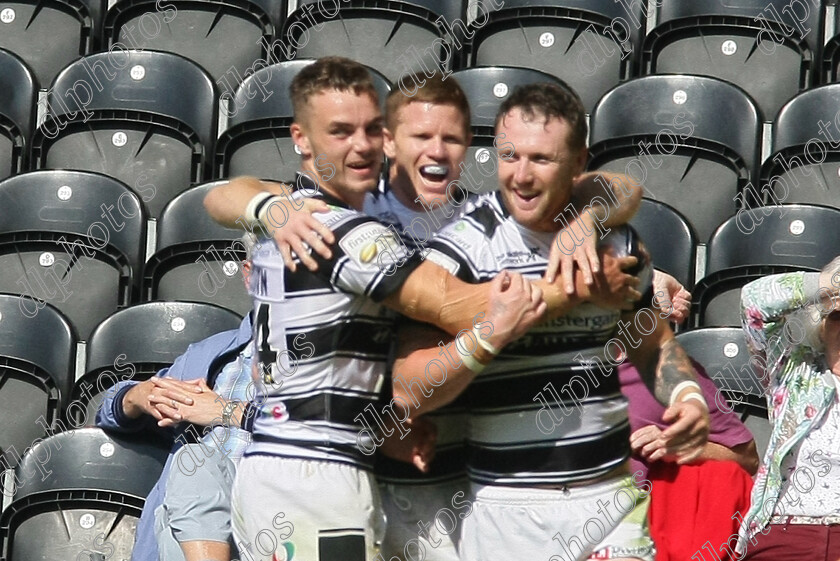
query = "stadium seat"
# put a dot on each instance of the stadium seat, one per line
(805, 152)
(591, 44)
(723, 353)
(228, 39)
(761, 45)
(37, 357)
(17, 113)
(196, 259)
(152, 125)
(50, 34)
(257, 141)
(486, 88)
(756, 243)
(78, 495)
(691, 141)
(394, 37)
(831, 49)
(136, 342)
(669, 238)
(71, 239)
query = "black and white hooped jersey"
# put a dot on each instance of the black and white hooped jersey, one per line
(322, 339)
(414, 227)
(511, 441)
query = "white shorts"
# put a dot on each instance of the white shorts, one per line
(438, 508)
(606, 520)
(305, 510)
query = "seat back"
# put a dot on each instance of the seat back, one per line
(18, 89)
(56, 246)
(197, 259)
(37, 358)
(670, 239)
(691, 141)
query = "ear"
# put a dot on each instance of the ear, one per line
(388, 144)
(580, 161)
(301, 139)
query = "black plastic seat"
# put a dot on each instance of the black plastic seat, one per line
(755, 44)
(225, 37)
(258, 140)
(723, 353)
(805, 152)
(136, 342)
(78, 495)
(18, 93)
(50, 34)
(756, 243)
(196, 259)
(670, 239)
(152, 125)
(37, 359)
(591, 44)
(691, 141)
(394, 37)
(56, 247)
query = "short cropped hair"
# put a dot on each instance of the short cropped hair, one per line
(549, 100)
(437, 90)
(330, 73)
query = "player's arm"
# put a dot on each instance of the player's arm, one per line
(667, 371)
(432, 295)
(251, 204)
(515, 305)
(600, 200)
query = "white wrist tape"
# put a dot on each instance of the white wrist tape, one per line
(484, 344)
(472, 363)
(684, 385)
(697, 396)
(257, 208)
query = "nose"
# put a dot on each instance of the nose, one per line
(522, 175)
(436, 149)
(362, 141)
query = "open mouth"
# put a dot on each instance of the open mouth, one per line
(434, 173)
(526, 197)
(361, 167)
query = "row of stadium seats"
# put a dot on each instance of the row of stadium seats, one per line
(151, 121)
(81, 241)
(767, 47)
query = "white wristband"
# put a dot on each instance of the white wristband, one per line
(472, 363)
(681, 386)
(696, 396)
(258, 208)
(484, 344)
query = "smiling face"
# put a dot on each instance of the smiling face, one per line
(536, 181)
(426, 148)
(343, 130)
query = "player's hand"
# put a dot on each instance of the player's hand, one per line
(516, 305)
(302, 231)
(688, 431)
(613, 288)
(676, 300)
(646, 441)
(584, 255)
(417, 447)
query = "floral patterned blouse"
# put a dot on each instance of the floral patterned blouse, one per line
(799, 387)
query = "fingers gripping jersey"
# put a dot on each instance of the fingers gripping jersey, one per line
(548, 409)
(322, 339)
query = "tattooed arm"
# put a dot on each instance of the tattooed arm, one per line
(663, 366)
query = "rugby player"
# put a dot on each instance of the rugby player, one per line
(549, 434)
